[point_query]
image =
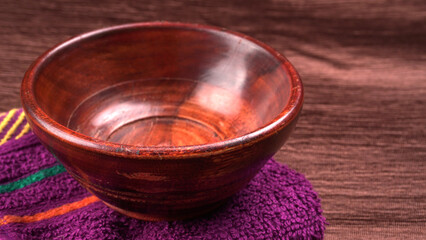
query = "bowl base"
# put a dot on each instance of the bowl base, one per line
(157, 218)
(164, 131)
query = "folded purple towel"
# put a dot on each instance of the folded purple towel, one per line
(39, 200)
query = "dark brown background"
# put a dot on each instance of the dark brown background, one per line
(361, 139)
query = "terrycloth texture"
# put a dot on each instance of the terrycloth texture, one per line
(39, 200)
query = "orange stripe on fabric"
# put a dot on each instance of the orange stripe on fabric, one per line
(49, 213)
(13, 128)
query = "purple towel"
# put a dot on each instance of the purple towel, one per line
(39, 200)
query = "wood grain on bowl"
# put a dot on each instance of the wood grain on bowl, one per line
(162, 120)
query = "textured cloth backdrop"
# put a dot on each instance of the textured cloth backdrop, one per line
(39, 200)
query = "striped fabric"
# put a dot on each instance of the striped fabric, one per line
(13, 126)
(39, 200)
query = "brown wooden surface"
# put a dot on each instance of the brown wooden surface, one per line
(362, 134)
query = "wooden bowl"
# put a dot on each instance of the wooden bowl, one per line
(161, 120)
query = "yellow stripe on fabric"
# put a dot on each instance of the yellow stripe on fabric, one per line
(2, 114)
(13, 128)
(6, 119)
(49, 213)
(23, 131)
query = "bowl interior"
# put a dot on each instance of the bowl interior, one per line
(162, 85)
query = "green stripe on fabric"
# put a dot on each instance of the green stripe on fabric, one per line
(38, 176)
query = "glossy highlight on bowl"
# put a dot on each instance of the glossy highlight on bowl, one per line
(161, 120)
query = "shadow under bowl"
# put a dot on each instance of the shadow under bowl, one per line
(162, 121)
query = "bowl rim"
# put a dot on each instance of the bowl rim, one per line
(79, 140)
